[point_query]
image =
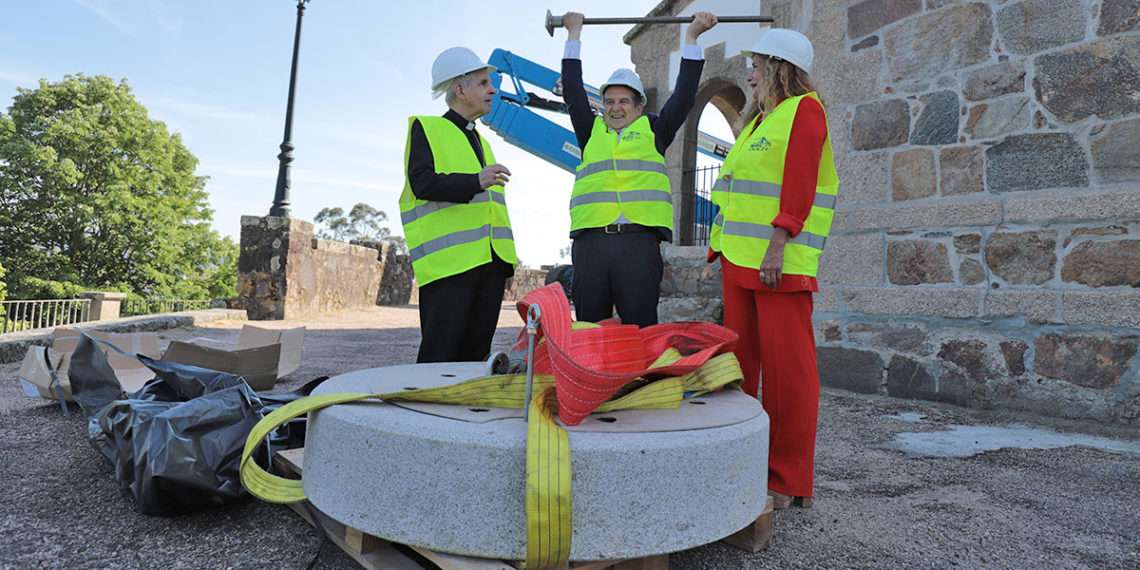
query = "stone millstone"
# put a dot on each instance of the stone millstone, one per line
(453, 480)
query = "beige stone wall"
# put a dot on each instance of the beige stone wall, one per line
(986, 248)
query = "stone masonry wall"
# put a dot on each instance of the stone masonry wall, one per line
(986, 246)
(283, 273)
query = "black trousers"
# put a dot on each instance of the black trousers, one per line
(458, 314)
(617, 270)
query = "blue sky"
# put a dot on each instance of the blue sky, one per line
(217, 72)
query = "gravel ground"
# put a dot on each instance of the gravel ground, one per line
(1072, 507)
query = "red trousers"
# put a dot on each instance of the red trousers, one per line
(777, 338)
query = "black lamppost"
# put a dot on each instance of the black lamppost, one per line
(281, 195)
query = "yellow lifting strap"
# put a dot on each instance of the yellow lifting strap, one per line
(548, 477)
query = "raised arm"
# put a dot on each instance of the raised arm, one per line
(676, 108)
(573, 91)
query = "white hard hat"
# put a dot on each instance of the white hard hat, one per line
(788, 45)
(455, 62)
(626, 77)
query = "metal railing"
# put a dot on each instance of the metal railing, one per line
(697, 220)
(42, 314)
(154, 306)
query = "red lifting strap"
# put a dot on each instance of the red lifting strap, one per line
(590, 365)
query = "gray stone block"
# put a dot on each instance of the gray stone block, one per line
(1114, 152)
(863, 177)
(964, 34)
(1023, 258)
(1118, 16)
(458, 486)
(1073, 206)
(870, 15)
(962, 170)
(998, 117)
(850, 369)
(995, 80)
(1102, 309)
(913, 175)
(916, 262)
(1036, 306)
(889, 335)
(947, 302)
(881, 124)
(1036, 162)
(1098, 79)
(937, 124)
(855, 259)
(974, 211)
(1031, 26)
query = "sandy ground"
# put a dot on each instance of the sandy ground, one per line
(876, 507)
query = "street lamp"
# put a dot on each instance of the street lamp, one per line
(281, 195)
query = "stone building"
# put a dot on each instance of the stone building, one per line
(986, 247)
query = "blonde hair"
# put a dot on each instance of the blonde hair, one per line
(779, 80)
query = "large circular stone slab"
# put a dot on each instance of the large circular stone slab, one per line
(451, 478)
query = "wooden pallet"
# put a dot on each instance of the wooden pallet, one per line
(374, 553)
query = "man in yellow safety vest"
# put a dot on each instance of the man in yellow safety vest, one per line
(454, 212)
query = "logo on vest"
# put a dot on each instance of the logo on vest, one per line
(761, 145)
(631, 136)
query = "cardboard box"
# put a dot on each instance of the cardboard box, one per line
(39, 362)
(261, 356)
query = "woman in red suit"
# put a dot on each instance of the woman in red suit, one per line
(776, 197)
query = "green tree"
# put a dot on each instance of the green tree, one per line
(3, 288)
(96, 194)
(363, 222)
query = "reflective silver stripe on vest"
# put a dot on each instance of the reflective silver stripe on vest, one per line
(764, 231)
(443, 242)
(769, 189)
(719, 221)
(502, 233)
(627, 164)
(825, 201)
(431, 207)
(625, 196)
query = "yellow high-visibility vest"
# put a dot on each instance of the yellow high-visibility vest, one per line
(621, 175)
(448, 238)
(748, 194)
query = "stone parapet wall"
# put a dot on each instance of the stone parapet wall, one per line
(284, 273)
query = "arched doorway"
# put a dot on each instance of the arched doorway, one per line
(716, 111)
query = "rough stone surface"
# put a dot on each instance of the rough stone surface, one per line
(1033, 25)
(1099, 79)
(1013, 351)
(910, 378)
(954, 303)
(995, 80)
(971, 272)
(964, 36)
(1101, 231)
(831, 332)
(850, 369)
(1103, 264)
(880, 124)
(900, 337)
(865, 176)
(973, 357)
(938, 122)
(683, 274)
(678, 309)
(916, 262)
(1067, 206)
(524, 281)
(1035, 306)
(962, 170)
(853, 259)
(1036, 161)
(398, 281)
(483, 466)
(1114, 153)
(1119, 16)
(968, 243)
(1089, 361)
(870, 15)
(902, 216)
(912, 175)
(998, 117)
(1097, 308)
(1023, 258)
